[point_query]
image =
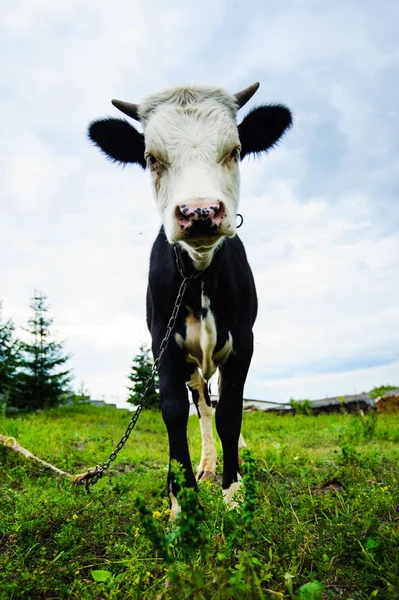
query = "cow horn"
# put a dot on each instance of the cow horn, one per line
(131, 110)
(245, 95)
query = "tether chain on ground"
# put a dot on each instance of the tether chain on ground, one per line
(94, 474)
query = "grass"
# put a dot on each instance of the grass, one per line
(318, 518)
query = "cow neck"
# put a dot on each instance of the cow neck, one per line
(208, 276)
(201, 259)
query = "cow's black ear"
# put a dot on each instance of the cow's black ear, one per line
(263, 127)
(118, 140)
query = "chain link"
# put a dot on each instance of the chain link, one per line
(96, 473)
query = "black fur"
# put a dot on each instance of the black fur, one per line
(118, 140)
(262, 128)
(206, 395)
(229, 285)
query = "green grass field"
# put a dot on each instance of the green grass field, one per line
(322, 523)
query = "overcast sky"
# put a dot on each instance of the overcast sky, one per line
(321, 212)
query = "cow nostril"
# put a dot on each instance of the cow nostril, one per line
(183, 213)
(218, 210)
(196, 217)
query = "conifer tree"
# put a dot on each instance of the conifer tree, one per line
(9, 359)
(41, 383)
(140, 373)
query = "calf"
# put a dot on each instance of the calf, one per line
(192, 147)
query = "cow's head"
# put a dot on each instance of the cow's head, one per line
(192, 146)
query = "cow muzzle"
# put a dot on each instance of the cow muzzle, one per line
(201, 219)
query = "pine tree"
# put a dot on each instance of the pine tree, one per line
(140, 373)
(9, 359)
(41, 383)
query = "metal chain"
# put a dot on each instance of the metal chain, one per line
(96, 473)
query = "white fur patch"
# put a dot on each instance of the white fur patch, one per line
(200, 341)
(175, 508)
(241, 442)
(201, 252)
(207, 466)
(192, 133)
(229, 493)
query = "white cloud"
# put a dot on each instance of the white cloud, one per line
(320, 211)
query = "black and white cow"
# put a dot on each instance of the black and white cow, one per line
(192, 147)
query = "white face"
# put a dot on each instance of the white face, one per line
(193, 155)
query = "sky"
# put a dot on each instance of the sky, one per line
(321, 211)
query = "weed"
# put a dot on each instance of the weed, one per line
(301, 407)
(360, 430)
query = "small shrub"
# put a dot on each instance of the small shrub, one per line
(376, 392)
(301, 407)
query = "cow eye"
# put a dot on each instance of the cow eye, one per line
(151, 161)
(235, 154)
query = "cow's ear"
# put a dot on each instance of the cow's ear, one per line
(263, 127)
(118, 140)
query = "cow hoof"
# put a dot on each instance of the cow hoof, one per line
(175, 508)
(232, 495)
(205, 476)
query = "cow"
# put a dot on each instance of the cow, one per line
(192, 146)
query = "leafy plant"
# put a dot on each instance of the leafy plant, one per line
(301, 407)
(310, 591)
(107, 578)
(360, 429)
(186, 548)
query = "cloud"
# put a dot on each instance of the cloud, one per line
(320, 211)
(327, 286)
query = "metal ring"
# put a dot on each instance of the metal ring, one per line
(242, 220)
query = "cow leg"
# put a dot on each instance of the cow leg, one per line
(229, 412)
(175, 411)
(228, 424)
(207, 466)
(241, 442)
